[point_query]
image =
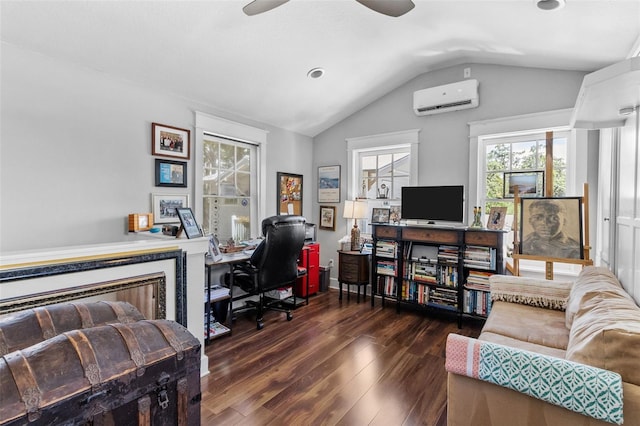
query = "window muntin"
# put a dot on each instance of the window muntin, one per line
(384, 172)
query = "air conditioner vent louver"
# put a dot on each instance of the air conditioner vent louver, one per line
(450, 97)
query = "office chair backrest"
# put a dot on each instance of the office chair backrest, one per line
(277, 259)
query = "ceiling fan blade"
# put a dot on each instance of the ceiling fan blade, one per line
(260, 6)
(392, 8)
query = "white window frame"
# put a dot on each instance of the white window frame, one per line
(207, 124)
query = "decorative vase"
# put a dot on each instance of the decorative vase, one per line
(477, 214)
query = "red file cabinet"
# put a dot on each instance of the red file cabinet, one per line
(309, 259)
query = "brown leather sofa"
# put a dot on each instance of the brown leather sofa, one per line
(550, 353)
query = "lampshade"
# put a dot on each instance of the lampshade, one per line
(355, 209)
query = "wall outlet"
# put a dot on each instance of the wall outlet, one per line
(467, 72)
(330, 263)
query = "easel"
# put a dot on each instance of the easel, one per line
(549, 261)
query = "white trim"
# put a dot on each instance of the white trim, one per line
(241, 132)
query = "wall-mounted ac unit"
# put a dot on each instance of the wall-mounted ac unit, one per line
(449, 97)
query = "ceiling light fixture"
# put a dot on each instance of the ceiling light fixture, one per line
(315, 73)
(627, 110)
(550, 4)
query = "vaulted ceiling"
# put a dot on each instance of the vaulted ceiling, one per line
(256, 66)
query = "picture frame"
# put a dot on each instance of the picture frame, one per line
(529, 184)
(329, 184)
(496, 218)
(327, 218)
(164, 207)
(169, 141)
(395, 214)
(171, 173)
(551, 227)
(289, 191)
(188, 221)
(380, 215)
(214, 250)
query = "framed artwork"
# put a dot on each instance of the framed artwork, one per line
(328, 218)
(529, 184)
(380, 215)
(329, 184)
(171, 173)
(169, 141)
(214, 250)
(496, 217)
(551, 227)
(394, 214)
(164, 207)
(289, 193)
(188, 222)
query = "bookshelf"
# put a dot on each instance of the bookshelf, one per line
(436, 268)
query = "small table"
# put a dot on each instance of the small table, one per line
(353, 269)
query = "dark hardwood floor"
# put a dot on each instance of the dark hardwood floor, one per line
(335, 363)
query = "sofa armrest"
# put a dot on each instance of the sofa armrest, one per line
(530, 291)
(577, 387)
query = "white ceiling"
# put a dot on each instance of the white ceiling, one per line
(256, 67)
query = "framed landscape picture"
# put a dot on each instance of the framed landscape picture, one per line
(529, 184)
(329, 184)
(169, 141)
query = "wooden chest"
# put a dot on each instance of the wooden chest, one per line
(25, 328)
(146, 372)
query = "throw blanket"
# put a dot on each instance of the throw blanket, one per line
(577, 387)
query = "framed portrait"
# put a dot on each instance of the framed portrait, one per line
(289, 193)
(214, 250)
(171, 173)
(164, 207)
(551, 227)
(329, 184)
(394, 214)
(188, 222)
(328, 218)
(529, 184)
(380, 215)
(169, 141)
(496, 217)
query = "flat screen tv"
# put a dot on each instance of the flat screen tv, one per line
(433, 203)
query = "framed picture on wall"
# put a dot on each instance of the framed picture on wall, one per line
(169, 141)
(328, 218)
(164, 207)
(289, 193)
(171, 173)
(329, 184)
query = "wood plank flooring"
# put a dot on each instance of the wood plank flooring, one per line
(335, 363)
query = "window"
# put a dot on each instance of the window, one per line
(384, 173)
(227, 190)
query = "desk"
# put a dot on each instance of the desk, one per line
(227, 259)
(353, 269)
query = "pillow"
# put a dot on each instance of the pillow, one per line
(606, 334)
(530, 291)
(591, 279)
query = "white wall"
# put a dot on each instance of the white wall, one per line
(444, 138)
(75, 152)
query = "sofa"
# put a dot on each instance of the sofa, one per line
(549, 353)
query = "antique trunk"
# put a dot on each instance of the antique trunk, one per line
(146, 373)
(25, 328)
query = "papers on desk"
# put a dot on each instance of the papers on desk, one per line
(217, 292)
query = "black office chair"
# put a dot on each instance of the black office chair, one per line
(274, 263)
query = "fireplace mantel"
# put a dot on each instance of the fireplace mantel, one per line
(181, 260)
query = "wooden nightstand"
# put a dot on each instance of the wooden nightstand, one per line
(353, 269)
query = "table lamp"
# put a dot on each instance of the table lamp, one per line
(355, 209)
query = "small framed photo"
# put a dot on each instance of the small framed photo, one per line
(188, 222)
(380, 215)
(214, 250)
(496, 218)
(169, 141)
(394, 214)
(551, 227)
(329, 184)
(328, 218)
(164, 207)
(171, 173)
(529, 184)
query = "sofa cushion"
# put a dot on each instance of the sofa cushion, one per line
(500, 339)
(530, 291)
(591, 279)
(517, 321)
(606, 334)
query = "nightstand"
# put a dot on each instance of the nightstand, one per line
(353, 269)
